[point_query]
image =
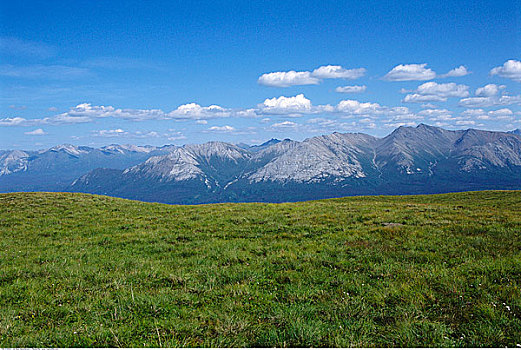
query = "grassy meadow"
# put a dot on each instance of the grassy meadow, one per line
(91, 271)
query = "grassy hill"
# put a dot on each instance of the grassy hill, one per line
(83, 271)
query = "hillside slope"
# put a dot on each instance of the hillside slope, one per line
(92, 271)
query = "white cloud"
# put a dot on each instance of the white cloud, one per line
(456, 72)
(284, 124)
(85, 112)
(285, 79)
(13, 121)
(353, 108)
(433, 113)
(201, 122)
(435, 92)
(246, 113)
(480, 114)
(412, 98)
(176, 136)
(509, 100)
(325, 125)
(195, 111)
(465, 122)
(110, 133)
(337, 72)
(351, 89)
(475, 102)
(286, 105)
(120, 133)
(405, 72)
(400, 113)
(37, 132)
(489, 90)
(225, 128)
(502, 114)
(444, 90)
(475, 113)
(397, 125)
(82, 113)
(511, 69)
(292, 78)
(358, 108)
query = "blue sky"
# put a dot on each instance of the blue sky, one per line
(174, 72)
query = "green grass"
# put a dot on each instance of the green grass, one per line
(91, 271)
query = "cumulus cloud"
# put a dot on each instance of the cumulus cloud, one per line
(295, 105)
(225, 128)
(480, 114)
(195, 111)
(228, 129)
(324, 125)
(286, 79)
(405, 72)
(502, 114)
(292, 78)
(245, 113)
(477, 102)
(284, 125)
(337, 72)
(358, 108)
(85, 112)
(435, 92)
(120, 133)
(37, 132)
(456, 72)
(16, 121)
(436, 114)
(444, 90)
(354, 89)
(176, 136)
(465, 122)
(511, 69)
(489, 90)
(110, 133)
(414, 98)
(354, 108)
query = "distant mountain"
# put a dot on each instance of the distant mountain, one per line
(424, 159)
(516, 132)
(55, 168)
(264, 145)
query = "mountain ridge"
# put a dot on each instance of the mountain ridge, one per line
(422, 159)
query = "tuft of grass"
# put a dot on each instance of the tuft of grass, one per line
(91, 271)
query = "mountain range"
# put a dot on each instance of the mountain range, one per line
(410, 160)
